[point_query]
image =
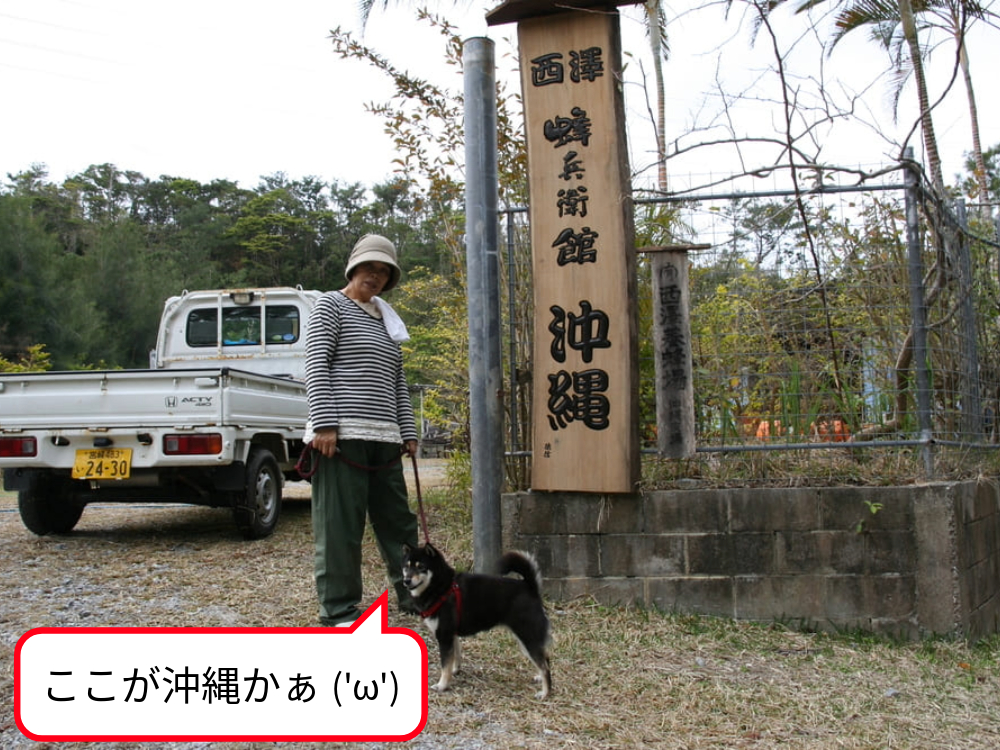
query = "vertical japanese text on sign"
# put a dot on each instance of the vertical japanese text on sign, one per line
(583, 256)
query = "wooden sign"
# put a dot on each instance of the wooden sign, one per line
(585, 408)
(674, 370)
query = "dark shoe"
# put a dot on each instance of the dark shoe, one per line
(344, 620)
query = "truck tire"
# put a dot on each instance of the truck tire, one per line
(259, 504)
(47, 504)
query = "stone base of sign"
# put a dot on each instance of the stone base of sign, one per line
(903, 561)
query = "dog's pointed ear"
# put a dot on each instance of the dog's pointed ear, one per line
(431, 549)
(407, 549)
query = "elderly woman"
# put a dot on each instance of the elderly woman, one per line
(362, 422)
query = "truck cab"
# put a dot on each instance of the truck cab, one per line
(262, 330)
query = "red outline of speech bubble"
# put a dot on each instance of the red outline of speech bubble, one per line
(380, 607)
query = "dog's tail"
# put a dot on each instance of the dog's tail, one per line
(524, 565)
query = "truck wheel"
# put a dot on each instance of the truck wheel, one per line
(259, 505)
(47, 504)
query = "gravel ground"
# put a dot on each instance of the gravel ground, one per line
(156, 565)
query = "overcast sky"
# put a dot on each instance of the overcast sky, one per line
(207, 89)
(237, 89)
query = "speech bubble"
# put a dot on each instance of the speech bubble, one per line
(363, 683)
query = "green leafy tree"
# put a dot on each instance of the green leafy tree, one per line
(55, 208)
(123, 285)
(188, 223)
(34, 359)
(974, 181)
(274, 236)
(434, 307)
(106, 193)
(31, 297)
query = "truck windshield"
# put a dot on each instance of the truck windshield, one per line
(241, 326)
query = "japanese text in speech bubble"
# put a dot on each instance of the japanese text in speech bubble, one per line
(364, 683)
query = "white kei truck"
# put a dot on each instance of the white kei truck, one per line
(217, 419)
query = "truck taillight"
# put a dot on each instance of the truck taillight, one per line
(192, 445)
(18, 447)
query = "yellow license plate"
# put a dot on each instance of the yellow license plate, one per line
(103, 463)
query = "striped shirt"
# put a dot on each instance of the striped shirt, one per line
(354, 374)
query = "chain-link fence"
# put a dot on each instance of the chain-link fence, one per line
(846, 334)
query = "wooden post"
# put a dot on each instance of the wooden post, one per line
(672, 338)
(585, 367)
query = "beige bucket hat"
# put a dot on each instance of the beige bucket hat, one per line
(374, 248)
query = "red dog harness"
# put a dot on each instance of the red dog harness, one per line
(429, 612)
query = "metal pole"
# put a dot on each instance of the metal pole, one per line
(972, 408)
(483, 262)
(918, 313)
(515, 441)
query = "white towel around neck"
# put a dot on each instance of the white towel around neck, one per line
(394, 325)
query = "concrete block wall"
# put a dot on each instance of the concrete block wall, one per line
(910, 561)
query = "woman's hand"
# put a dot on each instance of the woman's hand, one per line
(410, 446)
(325, 442)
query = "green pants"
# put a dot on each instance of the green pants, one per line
(342, 495)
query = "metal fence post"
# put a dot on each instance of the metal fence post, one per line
(918, 312)
(972, 409)
(515, 438)
(482, 258)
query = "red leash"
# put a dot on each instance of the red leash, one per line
(420, 500)
(454, 589)
(308, 463)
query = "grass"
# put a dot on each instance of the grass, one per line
(623, 677)
(635, 677)
(837, 464)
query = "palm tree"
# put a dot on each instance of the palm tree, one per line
(656, 30)
(953, 16)
(895, 26)
(908, 26)
(365, 8)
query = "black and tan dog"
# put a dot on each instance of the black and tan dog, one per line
(461, 604)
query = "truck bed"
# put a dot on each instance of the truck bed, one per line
(135, 399)
(218, 418)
